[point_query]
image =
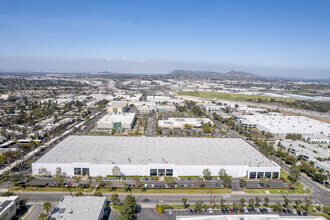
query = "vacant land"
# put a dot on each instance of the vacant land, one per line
(235, 97)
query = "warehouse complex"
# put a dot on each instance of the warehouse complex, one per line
(281, 125)
(180, 123)
(117, 121)
(158, 156)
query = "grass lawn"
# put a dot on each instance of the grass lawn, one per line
(284, 175)
(299, 190)
(233, 97)
(121, 190)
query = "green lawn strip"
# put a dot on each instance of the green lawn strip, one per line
(233, 97)
(299, 190)
(121, 190)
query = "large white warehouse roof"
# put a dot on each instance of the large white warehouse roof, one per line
(155, 150)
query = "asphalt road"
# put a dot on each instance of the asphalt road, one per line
(150, 127)
(54, 197)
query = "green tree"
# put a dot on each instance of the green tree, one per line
(46, 206)
(199, 205)
(241, 203)
(58, 177)
(298, 202)
(242, 183)
(42, 216)
(77, 179)
(258, 200)
(98, 179)
(278, 207)
(308, 202)
(115, 199)
(169, 180)
(98, 194)
(222, 203)
(286, 201)
(200, 182)
(266, 199)
(184, 201)
(17, 178)
(128, 210)
(206, 174)
(294, 175)
(226, 181)
(251, 202)
(79, 194)
(116, 171)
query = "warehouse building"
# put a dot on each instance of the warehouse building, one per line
(117, 106)
(281, 125)
(156, 156)
(80, 208)
(180, 123)
(117, 121)
(165, 108)
(8, 207)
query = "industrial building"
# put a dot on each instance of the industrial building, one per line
(144, 156)
(145, 109)
(8, 207)
(117, 121)
(281, 125)
(80, 208)
(316, 139)
(180, 123)
(309, 152)
(117, 106)
(164, 99)
(165, 108)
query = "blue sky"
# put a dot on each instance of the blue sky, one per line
(268, 37)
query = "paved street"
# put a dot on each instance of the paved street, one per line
(150, 127)
(164, 198)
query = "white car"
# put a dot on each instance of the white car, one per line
(246, 210)
(210, 211)
(226, 196)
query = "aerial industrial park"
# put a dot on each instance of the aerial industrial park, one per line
(161, 140)
(169, 110)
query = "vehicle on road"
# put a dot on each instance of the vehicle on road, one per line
(145, 200)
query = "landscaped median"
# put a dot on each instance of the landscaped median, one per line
(185, 190)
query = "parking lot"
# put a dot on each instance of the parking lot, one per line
(149, 213)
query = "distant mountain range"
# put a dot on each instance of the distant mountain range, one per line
(232, 75)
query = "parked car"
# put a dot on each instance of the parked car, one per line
(245, 210)
(210, 211)
(170, 211)
(187, 211)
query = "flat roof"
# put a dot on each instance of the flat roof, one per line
(79, 207)
(117, 117)
(155, 150)
(278, 124)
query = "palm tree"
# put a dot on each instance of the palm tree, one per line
(42, 216)
(46, 206)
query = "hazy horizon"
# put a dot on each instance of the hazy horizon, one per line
(276, 38)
